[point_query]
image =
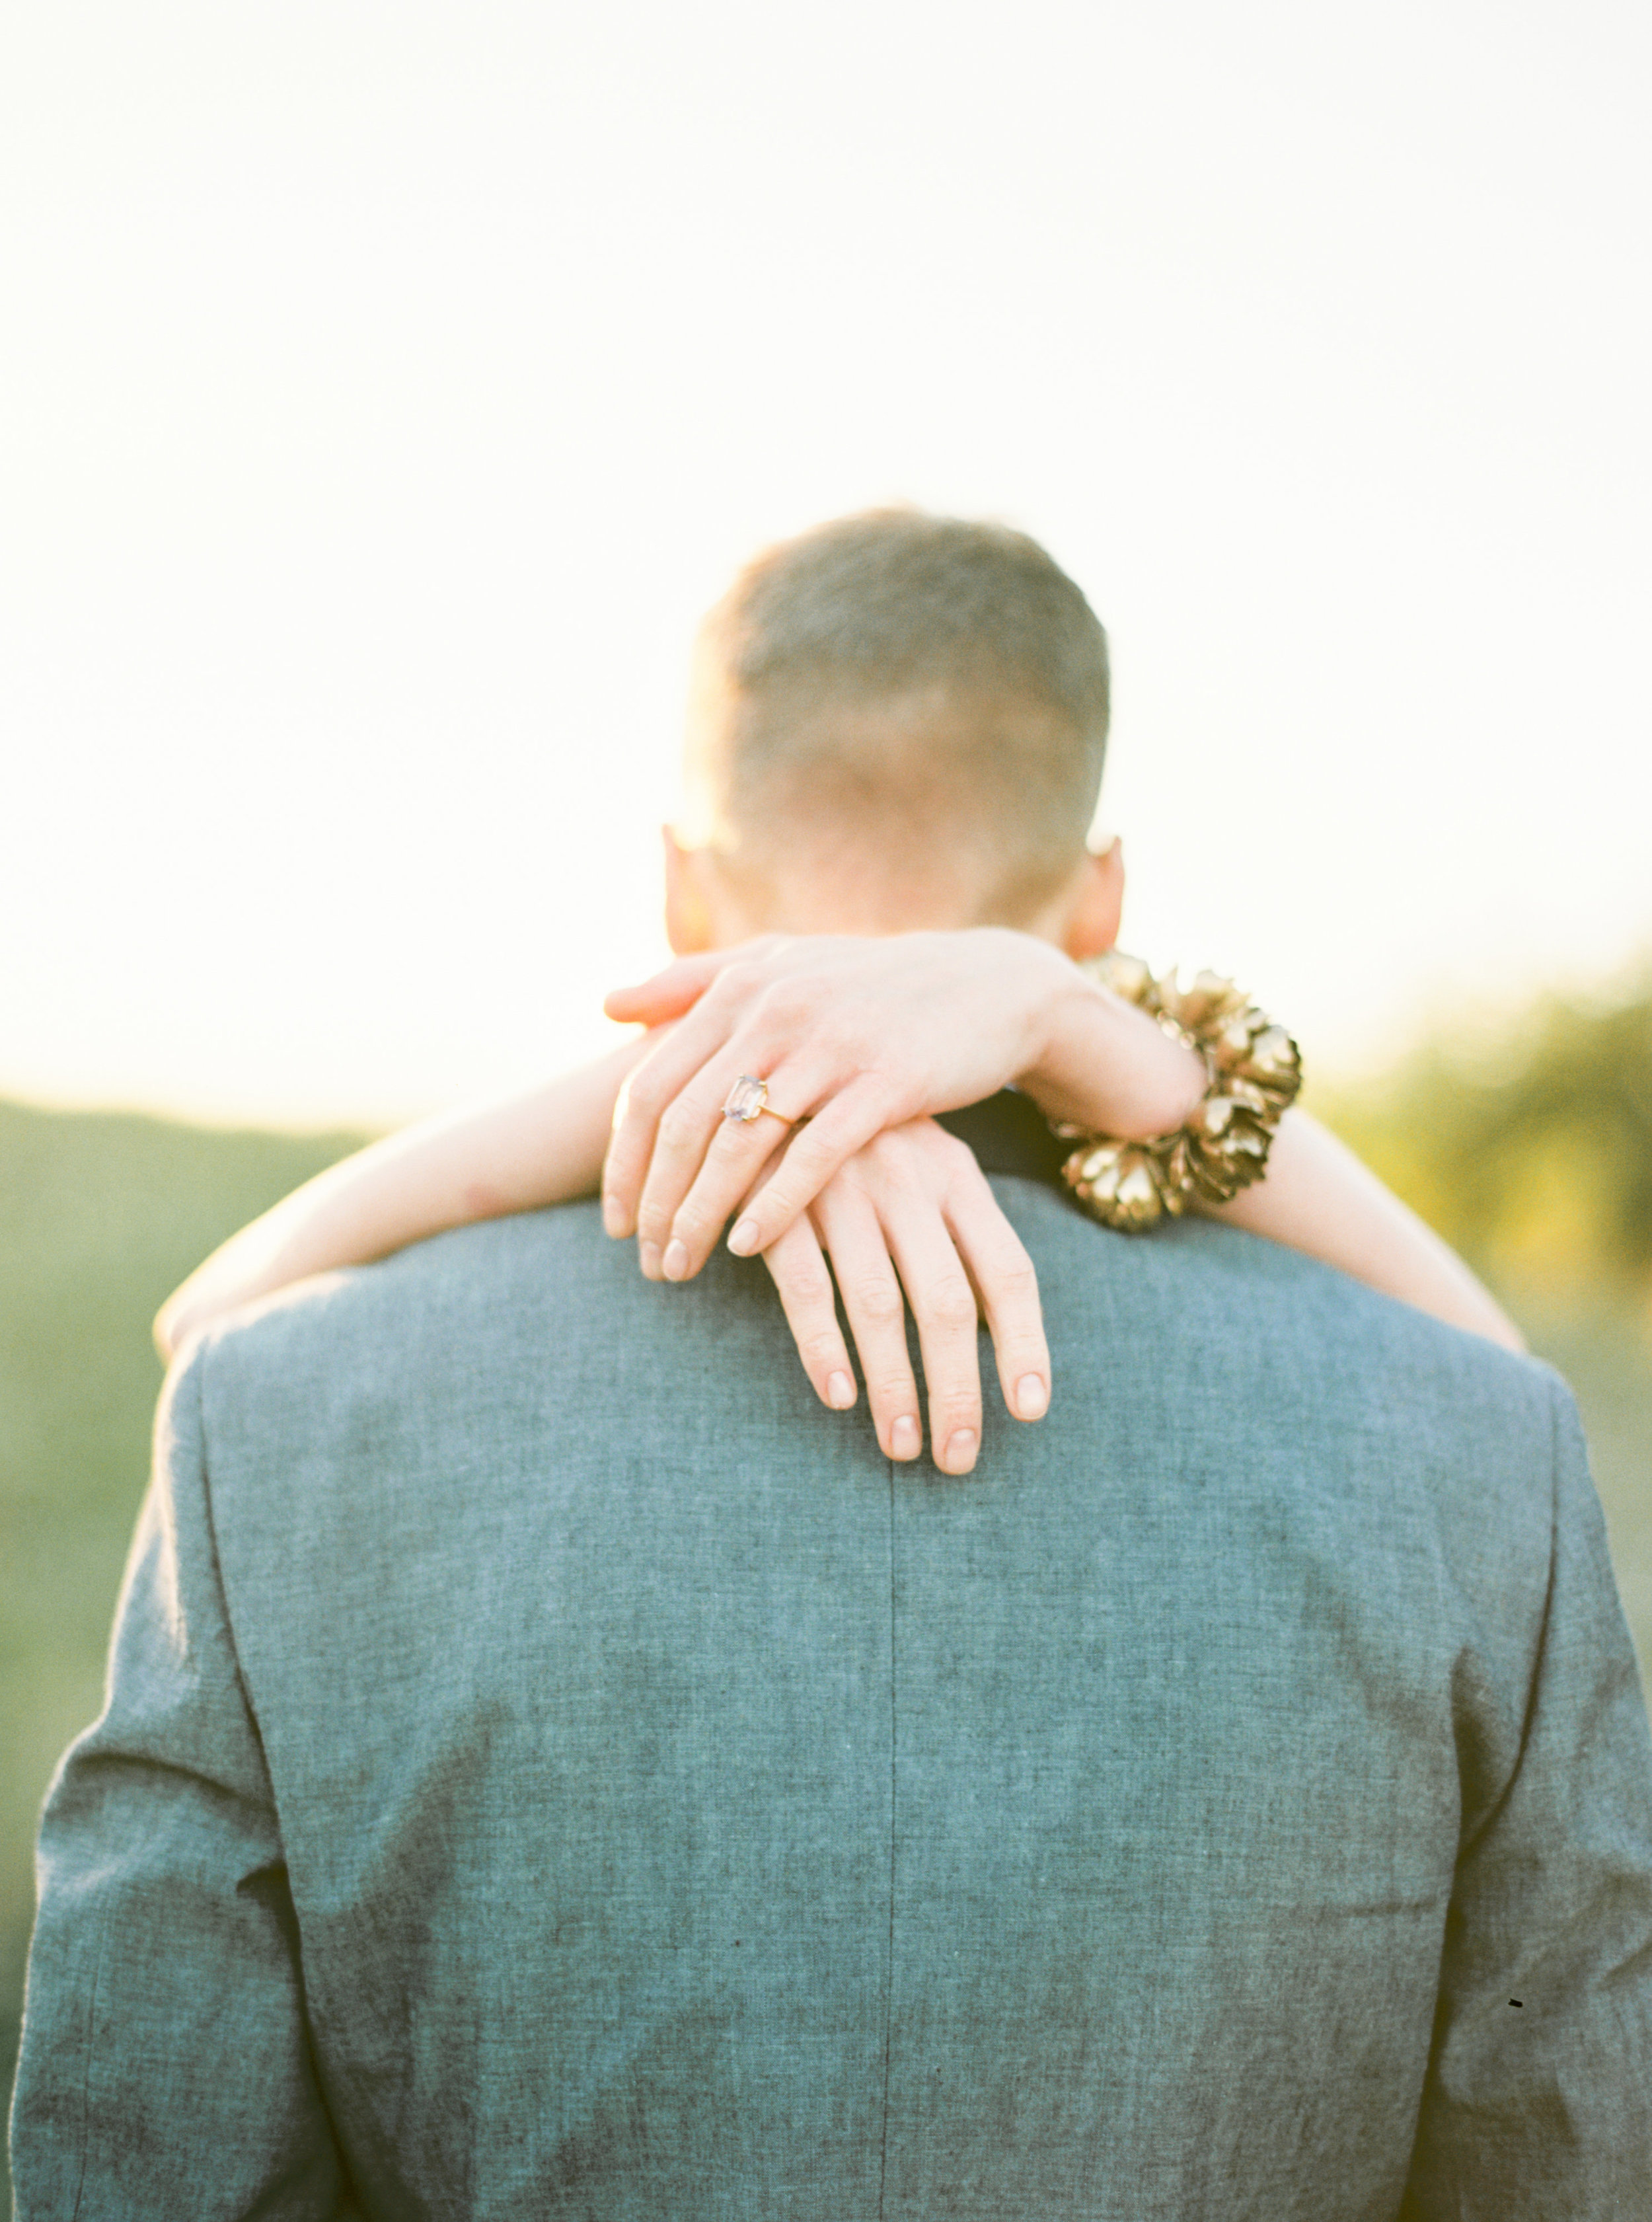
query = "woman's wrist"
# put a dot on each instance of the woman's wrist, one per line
(1107, 1067)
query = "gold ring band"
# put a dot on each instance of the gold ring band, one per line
(747, 1100)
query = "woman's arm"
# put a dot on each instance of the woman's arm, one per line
(544, 1146)
(1318, 1197)
(868, 1034)
(918, 1024)
(913, 1203)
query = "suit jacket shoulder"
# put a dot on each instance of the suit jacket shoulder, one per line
(678, 1809)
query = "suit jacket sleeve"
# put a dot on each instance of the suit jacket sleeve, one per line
(1539, 2095)
(165, 2066)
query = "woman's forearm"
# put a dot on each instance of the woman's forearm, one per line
(542, 1147)
(1111, 1069)
(1103, 1065)
(1316, 1197)
(1097, 1061)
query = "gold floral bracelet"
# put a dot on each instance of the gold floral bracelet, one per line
(1254, 1070)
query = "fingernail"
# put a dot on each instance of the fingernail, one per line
(648, 1258)
(743, 1241)
(1031, 1397)
(840, 1393)
(676, 1260)
(904, 1440)
(960, 1450)
(613, 1215)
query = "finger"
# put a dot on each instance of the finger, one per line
(666, 1073)
(734, 1157)
(693, 1131)
(832, 1135)
(647, 1091)
(666, 994)
(807, 1297)
(1007, 1283)
(943, 1304)
(848, 1227)
(725, 1176)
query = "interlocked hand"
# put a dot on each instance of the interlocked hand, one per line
(912, 1210)
(855, 1035)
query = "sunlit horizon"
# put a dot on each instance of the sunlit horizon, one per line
(387, 393)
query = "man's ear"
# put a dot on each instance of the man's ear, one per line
(688, 918)
(1098, 898)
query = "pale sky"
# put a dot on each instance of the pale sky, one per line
(385, 390)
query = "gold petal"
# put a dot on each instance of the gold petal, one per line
(1275, 1052)
(1211, 1117)
(1246, 1094)
(1126, 976)
(1138, 1195)
(1211, 995)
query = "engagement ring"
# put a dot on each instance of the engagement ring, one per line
(748, 1099)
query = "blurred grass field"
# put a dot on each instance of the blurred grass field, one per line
(1537, 1161)
(100, 1216)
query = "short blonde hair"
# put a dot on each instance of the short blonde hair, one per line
(894, 671)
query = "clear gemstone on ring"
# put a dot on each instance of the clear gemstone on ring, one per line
(746, 1099)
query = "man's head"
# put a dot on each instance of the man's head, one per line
(896, 721)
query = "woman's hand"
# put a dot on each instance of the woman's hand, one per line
(913, 1203)
(857, 1035)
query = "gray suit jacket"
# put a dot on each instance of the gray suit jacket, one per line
(554, 1768)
